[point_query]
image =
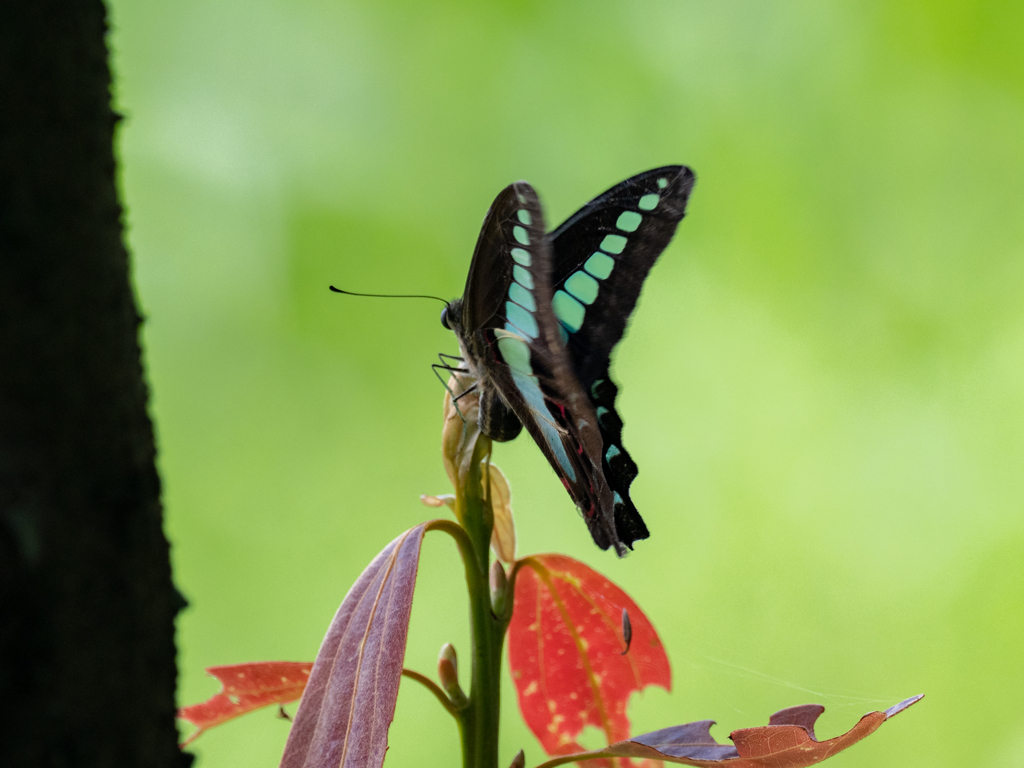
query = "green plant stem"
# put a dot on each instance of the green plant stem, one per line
(434, 688)
(478, 721)
(480, 734)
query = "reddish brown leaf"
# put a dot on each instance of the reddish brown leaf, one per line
(565, 650)
(786, 742)
(503, 535)
(349, 703)
(245, 687)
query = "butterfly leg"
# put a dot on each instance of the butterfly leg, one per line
(464, 393)
(436, 368)
(455, 400)
(448, 366)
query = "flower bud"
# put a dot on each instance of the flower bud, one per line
(448, 672)
(499, 588)
(519, 761)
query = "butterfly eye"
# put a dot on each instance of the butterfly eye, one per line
(444, 318)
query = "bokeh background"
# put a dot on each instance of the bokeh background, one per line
(823, 384)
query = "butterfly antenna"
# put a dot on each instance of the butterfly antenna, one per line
(390, 295)
(443, 365)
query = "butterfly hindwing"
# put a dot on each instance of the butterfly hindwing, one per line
(619, 468)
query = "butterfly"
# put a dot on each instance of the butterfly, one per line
(539, 318)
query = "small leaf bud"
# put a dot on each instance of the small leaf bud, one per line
(499, 588)
(448, 672)
(438, 501)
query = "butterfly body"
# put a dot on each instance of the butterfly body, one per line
(497, 419)
(538, 321)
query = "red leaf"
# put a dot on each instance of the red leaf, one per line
(786, 742)
(245, 687)
(565, 649)
(349, 703)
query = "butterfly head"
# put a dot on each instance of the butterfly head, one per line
(451, 315)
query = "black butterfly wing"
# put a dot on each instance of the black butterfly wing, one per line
(493, 267)
(510, 336)
(601, 256)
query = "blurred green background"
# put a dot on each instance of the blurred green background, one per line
(823, 384)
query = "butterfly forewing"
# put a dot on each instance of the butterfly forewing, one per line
(510, 262)
(511, 248)
(512, 341)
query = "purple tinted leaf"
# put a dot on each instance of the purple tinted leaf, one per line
(786, 742)
(349, 702)
(692, 741)
(806, 715)
(895, 709)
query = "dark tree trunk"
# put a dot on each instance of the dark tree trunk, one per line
(87, 668)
